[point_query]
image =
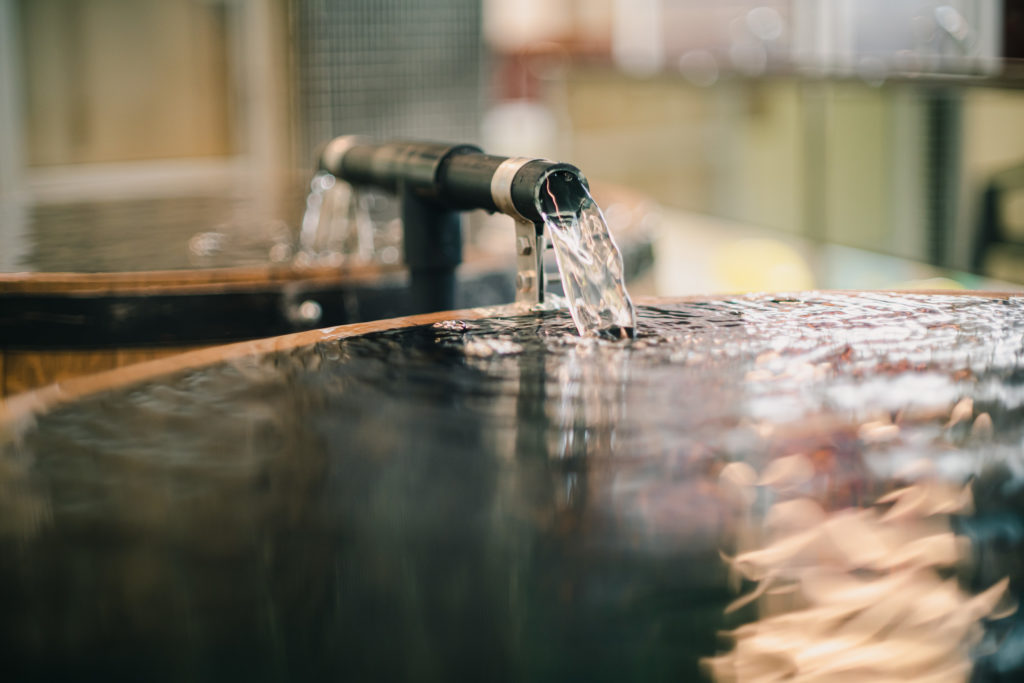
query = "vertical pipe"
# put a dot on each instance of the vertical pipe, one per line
(433, 249)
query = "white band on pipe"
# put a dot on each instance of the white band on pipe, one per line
(336, 149)
(501, 185)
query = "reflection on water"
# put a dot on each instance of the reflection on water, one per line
(854, 594)
(501, 499)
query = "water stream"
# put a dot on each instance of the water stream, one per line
(336, 226)
(589, 262)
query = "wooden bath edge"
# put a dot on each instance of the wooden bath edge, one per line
(16, 411)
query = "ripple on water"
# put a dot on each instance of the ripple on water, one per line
(502, 495)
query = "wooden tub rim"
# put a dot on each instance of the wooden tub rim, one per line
(214, 280)
(16, 412)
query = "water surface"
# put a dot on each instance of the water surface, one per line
(498, 499)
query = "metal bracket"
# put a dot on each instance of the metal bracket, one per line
(530, 277)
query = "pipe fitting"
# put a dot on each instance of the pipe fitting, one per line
(457, 177)
(436, 181)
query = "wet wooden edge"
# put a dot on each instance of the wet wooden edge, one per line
(16, 411)
(215, 280)
(18, 408)
(129, 281)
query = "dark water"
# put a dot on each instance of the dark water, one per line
(492, 500)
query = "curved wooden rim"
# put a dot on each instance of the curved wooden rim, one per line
(18, 408)
(15, 411)
(184, 281)
(213, 280)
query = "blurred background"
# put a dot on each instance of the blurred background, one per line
(777, 145)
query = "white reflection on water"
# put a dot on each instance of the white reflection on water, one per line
(853, 594)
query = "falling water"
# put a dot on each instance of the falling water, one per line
(336, 225)
(315, 214)
(588, 259)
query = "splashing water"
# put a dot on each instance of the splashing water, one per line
(588, 259)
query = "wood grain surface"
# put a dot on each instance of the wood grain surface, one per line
(22, 370)
(184, 281)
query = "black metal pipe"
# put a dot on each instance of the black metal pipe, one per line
(436, 181)
(457, 177)
(432, 242)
